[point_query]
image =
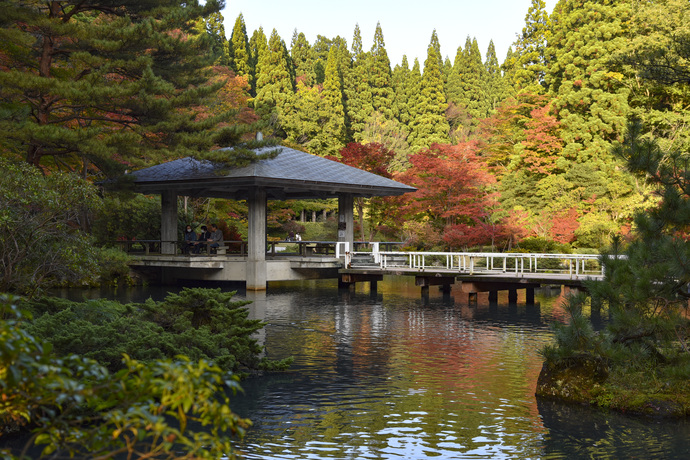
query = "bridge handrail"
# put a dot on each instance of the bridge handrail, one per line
(487, 262)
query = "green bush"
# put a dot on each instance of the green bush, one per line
(544, 246)
(42, 216)
(113, 266)
(199, 323)
(138, 216)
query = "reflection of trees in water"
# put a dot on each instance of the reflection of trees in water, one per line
(378, 364)
(387, 373)
(580, 432)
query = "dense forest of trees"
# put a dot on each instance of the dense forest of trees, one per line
(499, 153)
(522, 148)
(529, 140)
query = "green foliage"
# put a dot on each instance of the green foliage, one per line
(660, 47)
(429, 125)
(379, 76)
(588, 95)
(575, 339)
(96, 89)
(315, 120)
(240, 155)
(302, 58)
(41, 222)
(128, 217)
(645, 285)
(239, 49)
(274, 86)
(203, 324)
(357, 89)
(75, 408)
(220, 47)
(113, 265)
(530, 48)
(258, 44)
(543, 245)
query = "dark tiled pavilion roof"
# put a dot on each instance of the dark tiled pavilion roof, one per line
(292, 174)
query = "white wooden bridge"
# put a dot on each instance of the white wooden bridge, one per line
(476, 271)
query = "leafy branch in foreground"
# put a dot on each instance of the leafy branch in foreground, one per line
(240, 155)
(76, 409)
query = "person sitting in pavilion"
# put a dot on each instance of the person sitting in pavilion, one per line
(189, 239)
(202, 239)
(216, 238)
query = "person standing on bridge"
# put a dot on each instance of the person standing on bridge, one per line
(216, 238)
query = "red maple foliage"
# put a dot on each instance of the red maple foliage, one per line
(373, 157)
(451, 183)
(564, 225)
(528, 122)
(542, 144)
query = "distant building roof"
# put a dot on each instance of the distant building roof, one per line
(292, 174)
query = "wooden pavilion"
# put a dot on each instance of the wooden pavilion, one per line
(291, 174)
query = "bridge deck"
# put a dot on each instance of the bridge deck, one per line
(478, 277)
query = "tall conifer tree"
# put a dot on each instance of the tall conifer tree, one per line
(447, 69)
(530, 65)
(467, 89)
(494, 90)
(302, 58)
(413, 86)
(315, 119)
(258, 45)
(357, 91)
(429, 124)
(454, 90)
(334, 113)
(473, 83)
(239, 44)
(274, 86)
(380, 76)
(399, 78)
(508, 68)
(588, 95)
(220, 44)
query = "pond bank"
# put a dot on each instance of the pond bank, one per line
(587, 381)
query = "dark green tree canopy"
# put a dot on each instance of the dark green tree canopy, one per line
(104, 83)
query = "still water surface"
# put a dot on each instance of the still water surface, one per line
(394, 375)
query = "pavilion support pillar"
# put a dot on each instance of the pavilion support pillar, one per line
(346, 219)
(169, 222)
(256, 244)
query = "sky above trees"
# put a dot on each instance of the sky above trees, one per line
(407, 25)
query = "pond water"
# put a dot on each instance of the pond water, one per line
(395, 375)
